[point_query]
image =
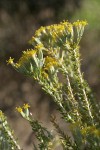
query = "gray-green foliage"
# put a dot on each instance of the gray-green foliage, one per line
(7, 141)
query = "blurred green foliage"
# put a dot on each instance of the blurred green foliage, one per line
(90, 11)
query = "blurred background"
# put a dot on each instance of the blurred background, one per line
(18, 21)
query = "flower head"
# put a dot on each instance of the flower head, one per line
(49, 62)
(10, 60)
(25, 106)
(40, 31)
(80, 23)
(19, 109)
(25, 57)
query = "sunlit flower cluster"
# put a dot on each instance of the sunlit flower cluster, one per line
(24, 111)
(80, 23)
(54, 62)
(48, 42)
(26, 56)
(26, 106)
(49, 62)
(20, 109)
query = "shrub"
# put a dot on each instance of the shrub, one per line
(56, 51)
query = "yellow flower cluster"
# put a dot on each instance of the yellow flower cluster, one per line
(91, 130)
(49, 62)
(49, 40)
(80, 23)
(26, 55)
(40, 31)
(26, 106)
(39, 46)
(67, 26)
(20, 109)
(55, 31)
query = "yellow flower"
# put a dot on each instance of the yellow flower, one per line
(39, 46)
(80, 23)
(54, 35)
(40, 31)
(26, 55)
(25, 106)
(19, 109)
(49, 61)
(10, 61)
